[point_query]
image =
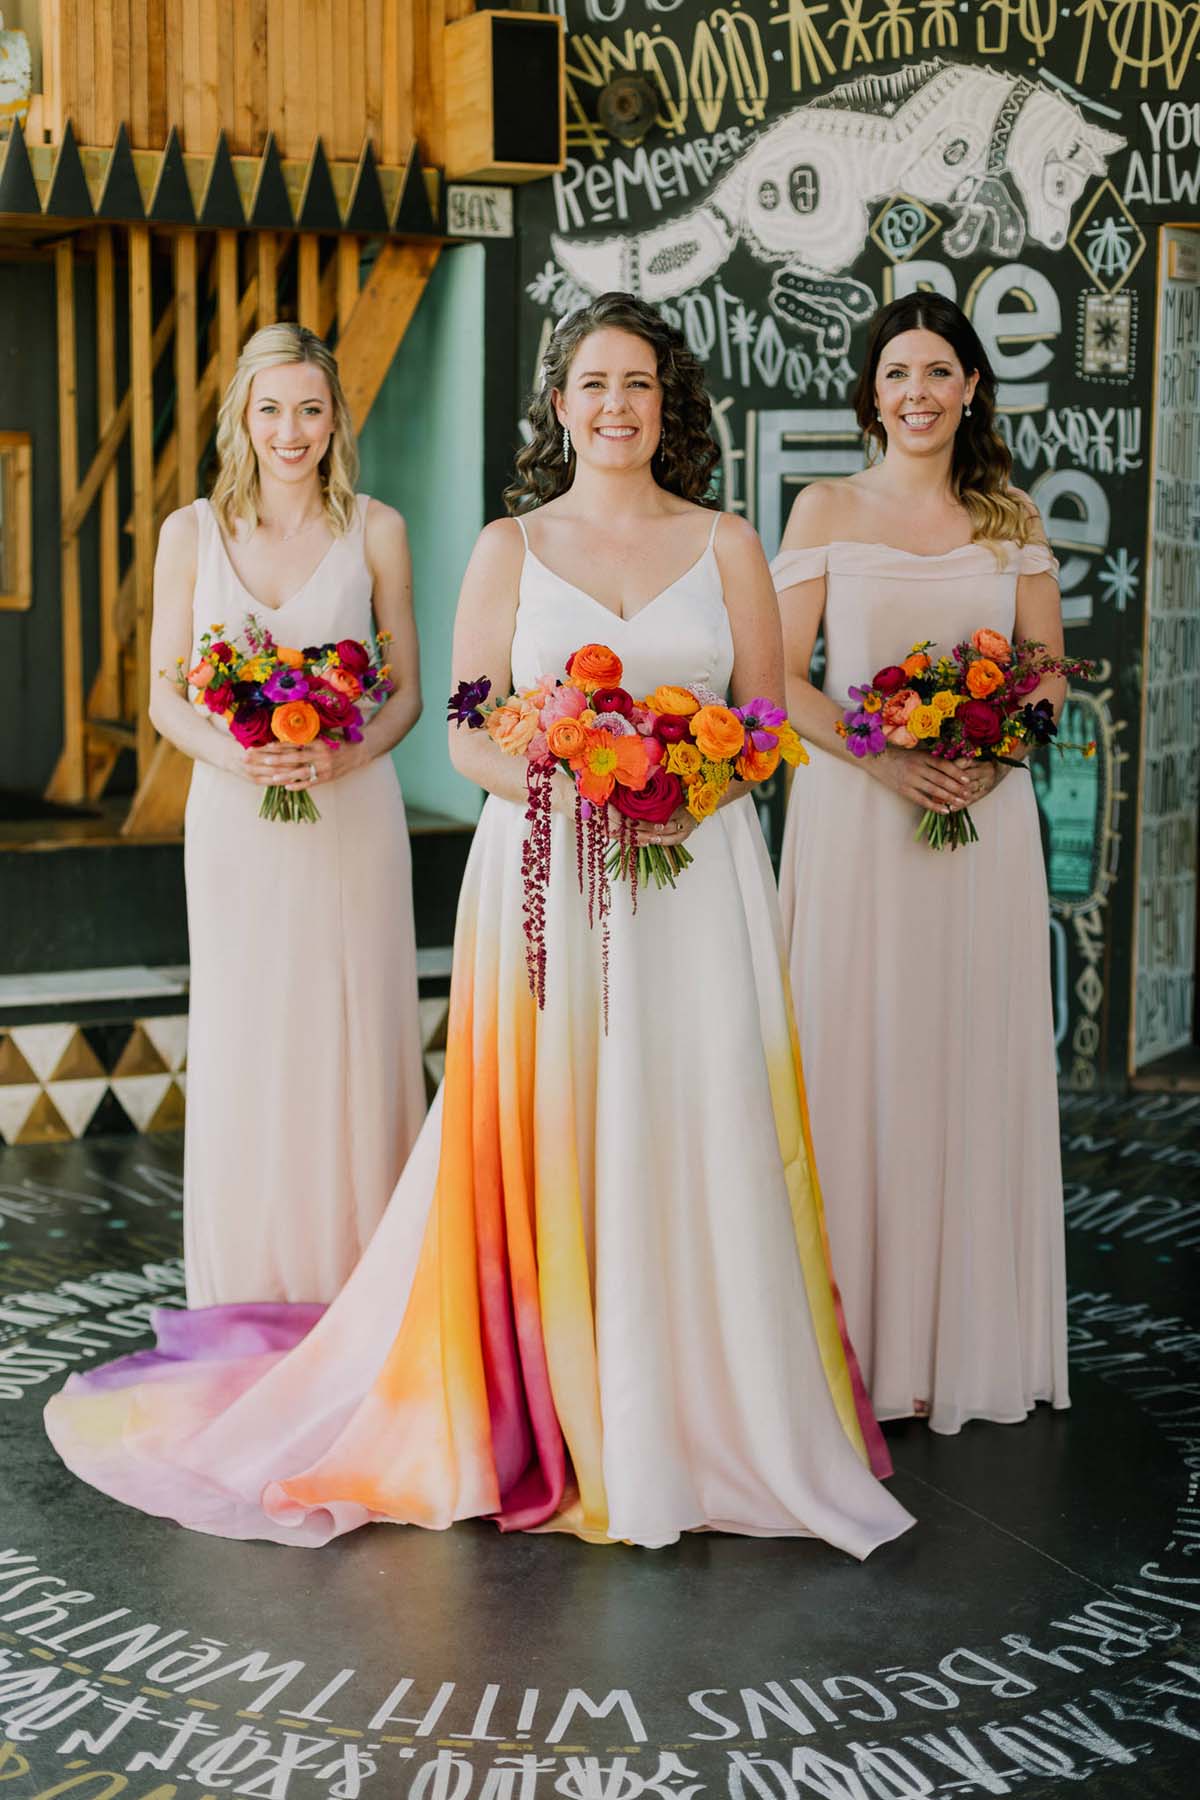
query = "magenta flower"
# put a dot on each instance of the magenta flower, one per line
(863, 730)
(761, 719)
(286, 684)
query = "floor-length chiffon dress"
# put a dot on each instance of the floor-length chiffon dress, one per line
(922, 992)
(305, 1080)
(599, 1300)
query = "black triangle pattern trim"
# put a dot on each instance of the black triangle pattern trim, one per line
(318, 206)
(222, 203)
(414, 215)
(18, 189)
(120, 196)
(271, 208)
(171, 201)
(69, 197)
(366, 211)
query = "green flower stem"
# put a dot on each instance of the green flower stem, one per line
(946, 831)
(656, 863)
(283, 803)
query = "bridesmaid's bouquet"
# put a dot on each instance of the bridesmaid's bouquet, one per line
(971, 705)
(267, 692)
(647, 758)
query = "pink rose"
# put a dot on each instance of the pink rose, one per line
(898, 706)
(981, 723)
(563, 703)
(251, 725)
(900, 736)
(539, 749)
(219, 699)
(652, 804)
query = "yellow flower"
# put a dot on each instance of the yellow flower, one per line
(255, 668)
(946, 703)
(872, 702)
(790, 746)
(702, 799)
(924, 722)
(1089, 749)
(684, 760)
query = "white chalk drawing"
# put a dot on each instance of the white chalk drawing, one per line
(1008, 158)
(1107, 336)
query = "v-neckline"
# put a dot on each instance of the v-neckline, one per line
(253, 599)
(620, 618)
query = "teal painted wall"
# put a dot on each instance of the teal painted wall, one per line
(421, 452)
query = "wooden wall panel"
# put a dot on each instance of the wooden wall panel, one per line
(339, 69)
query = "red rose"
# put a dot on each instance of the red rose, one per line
(652, 804)
(890, 680)
(219, 699)
(981, 723)
(251, 725)
(221, 653)
(335, 709)
(353, 656)
(671, 727)
(613, 700)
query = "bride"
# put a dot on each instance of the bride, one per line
(600, 1298)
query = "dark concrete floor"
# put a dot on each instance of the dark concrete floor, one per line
(1038, 1631)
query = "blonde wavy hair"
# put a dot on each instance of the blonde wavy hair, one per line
(235, 494)
(982, 465)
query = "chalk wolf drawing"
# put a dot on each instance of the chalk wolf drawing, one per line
(949, 134)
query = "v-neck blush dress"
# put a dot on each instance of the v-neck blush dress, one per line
(922, 993)
(305, 1086)
(599, 1300)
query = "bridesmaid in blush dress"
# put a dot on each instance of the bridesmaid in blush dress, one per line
(921, 978)
(305, 1081)
(599, 1301)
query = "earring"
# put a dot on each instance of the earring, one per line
(967, 410)
(566, 443)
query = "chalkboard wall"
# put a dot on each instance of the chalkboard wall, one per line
(811, 160)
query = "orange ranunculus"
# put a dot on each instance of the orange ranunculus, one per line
(566, 738)
(606, 759)
(293, 658)
(757, 765)
(343, 682)
(201, 675)
(511, 727)
(916, 664)
(718, 731)
(983, 678)
(702, 799)
(295, 722)
(588, 716)
(595, 666)
(678, 702)
(791, 745)
(993, 644)
(684, 760)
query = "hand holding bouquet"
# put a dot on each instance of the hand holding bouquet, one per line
(971, 705)
(679, 747)
(268, 693)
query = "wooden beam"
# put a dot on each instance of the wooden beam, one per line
(348, 252)
(379, 321)
(186, 433)
(69, 782)
(308, 305)
(108, 688)
(141, 376)
(228, 335)
(111, 439)
(158, 805)
(267, 245)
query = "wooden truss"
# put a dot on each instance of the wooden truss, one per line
(209, 248)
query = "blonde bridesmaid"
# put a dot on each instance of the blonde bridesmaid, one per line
(922, 979)
(305, 1085)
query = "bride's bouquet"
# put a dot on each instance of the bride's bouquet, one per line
(679, 747)
(269, 693)
(972, 705)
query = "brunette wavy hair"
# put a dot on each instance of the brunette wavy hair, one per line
(235, 492)
(982, 466)
(686, 456)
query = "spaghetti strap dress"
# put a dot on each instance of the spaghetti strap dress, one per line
(305, 1084)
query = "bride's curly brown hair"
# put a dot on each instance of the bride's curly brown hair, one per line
(982, 467)
(686, 456)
